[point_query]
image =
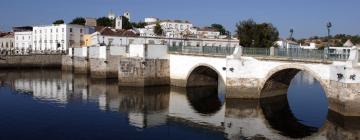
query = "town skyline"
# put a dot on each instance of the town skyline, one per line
(305, 23)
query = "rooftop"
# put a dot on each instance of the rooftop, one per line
(6, 34)
(107, 31)
(22, 28)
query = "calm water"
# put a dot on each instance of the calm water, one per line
(54, 105)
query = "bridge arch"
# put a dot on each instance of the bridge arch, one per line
(203, 75)
(280, 78)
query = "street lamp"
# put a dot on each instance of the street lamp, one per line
(328, 25)
(291, 33)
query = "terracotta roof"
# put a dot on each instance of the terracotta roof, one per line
(116, 32)
(208, 29)
(176, 21)
(7, 34)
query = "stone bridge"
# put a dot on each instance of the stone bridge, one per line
(254, 77)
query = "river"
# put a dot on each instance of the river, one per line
(50, 104)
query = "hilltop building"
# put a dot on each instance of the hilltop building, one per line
(90, 22)
(288, 44)
(348, 43)
(106, 36)
(312, 46)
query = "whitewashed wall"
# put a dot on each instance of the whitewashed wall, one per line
(97, 52)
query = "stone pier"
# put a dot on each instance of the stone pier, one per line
(147, 65)
(98, 62)
(81, 60)
(67, 61)
(143, 72)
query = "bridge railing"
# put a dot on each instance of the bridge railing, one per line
(288, 53)
(294, 53)
(256, 51)
(300, 53)
(202, 50)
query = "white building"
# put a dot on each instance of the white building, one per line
(171, 28)
(114, 37)
(23, 39)
(312, 46)
(348, 43)
(6, 42)
(288, 44)
(208, 32)
(59, 37)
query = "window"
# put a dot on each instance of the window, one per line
(23, 38)
(62, 29)
(71, 30)
(50, 30)
(57, 30)
(81, 30)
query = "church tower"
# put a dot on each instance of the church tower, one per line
(111, 15)
(118, 22)
(127, 15)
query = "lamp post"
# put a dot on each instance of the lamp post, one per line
(328, 25)
(291, 33)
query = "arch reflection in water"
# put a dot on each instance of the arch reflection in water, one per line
(267, 119)
(204, 100)
(308, 107)
(200, 106)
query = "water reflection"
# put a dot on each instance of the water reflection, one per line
(160, 112)
(278, 113)
(204, 100)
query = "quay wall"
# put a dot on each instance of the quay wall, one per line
(31, 61)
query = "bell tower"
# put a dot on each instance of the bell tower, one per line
(119, 22)
(127, 15)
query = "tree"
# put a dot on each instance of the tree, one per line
(158, 30)
(60, 21)
(252, 34)
(139, 24)
(126, 23)
(105, 22)
(219, 28)
(78, 21)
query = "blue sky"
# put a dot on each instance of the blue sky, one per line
(306, 17)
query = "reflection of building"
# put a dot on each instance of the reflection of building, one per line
(43, 87)
(146, 107)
